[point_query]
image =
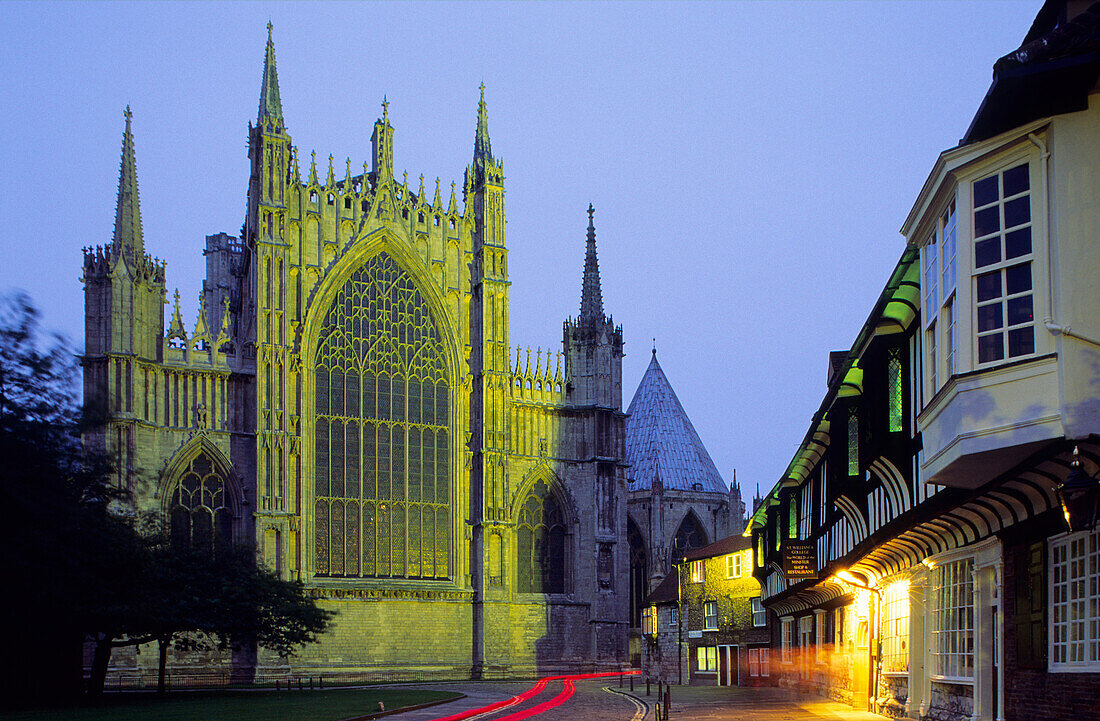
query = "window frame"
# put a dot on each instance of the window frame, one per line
(786, 639)
(1057, 589)
(706, 659)
(1003, 264)
(710, 615)
(952, 624)
(698, 571)
(758, 611)
(735, 566)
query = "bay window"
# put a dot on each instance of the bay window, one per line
(1075, 603)
(1003, 288)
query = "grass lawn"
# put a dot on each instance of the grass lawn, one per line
(327, 705)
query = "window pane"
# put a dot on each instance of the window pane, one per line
(1016, 180)
(987, 252)
(985, 191)
(1018, 243)
(1019, 311)
(987, 221)
(1018, 278)
(989, 286)
(990, 348)
(990, 317)
(1021, 341)
(1017, 212)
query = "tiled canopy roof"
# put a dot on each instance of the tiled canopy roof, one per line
(661, 440)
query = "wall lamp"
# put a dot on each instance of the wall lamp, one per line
(1079, 495)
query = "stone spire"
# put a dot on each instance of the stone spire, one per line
(483, 151)
(591, 296)
(271, 107)
(128, 211)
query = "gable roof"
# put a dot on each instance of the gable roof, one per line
(661, 442)
(668, 590)
(721, 547)
(1051, 73)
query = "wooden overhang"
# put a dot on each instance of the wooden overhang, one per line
(951, 519)
(897, 307)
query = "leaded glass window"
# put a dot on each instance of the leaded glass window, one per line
(853, 442)
(895, 389)
(199, 514)
(382, 494)
(540, 543)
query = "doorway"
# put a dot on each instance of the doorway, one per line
(728, 666)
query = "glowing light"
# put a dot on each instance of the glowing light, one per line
(862, 603)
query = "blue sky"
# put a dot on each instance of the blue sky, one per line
(750, 162)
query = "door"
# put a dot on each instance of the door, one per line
(727, 666)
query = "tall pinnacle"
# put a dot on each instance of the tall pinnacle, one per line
(128, 211)
(271, 107)
(591, 296)
(482, 149)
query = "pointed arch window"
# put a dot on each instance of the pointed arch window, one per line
(540, 543)
(689, 535)
(199, 514)
(382, 455)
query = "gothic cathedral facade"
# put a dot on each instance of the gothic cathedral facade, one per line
(348, 402)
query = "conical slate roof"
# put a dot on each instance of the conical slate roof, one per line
(661, 440)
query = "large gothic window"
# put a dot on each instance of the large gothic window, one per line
(199, 512)
(689, 535)
(540, 543)
(383, 505)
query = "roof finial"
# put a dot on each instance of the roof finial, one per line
(591, 295)
(482, 149)
(128, 209)
(271, 107)
(654, 347)
(385, 110)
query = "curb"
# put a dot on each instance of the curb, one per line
(403, 709)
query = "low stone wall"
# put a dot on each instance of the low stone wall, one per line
(950, 702)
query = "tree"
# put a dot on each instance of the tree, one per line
(80, 562)
(55, 499)
(214, 598)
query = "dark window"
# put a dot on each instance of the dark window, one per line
(540, 543)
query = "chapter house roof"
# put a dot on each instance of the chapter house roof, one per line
(661, 442)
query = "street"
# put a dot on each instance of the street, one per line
(601, 699)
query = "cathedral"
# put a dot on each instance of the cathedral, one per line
(349, 403)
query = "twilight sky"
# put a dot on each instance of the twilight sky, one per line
(750, 162)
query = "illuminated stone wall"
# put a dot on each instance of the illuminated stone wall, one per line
(351, 382)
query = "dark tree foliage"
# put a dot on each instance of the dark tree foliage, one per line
(79, 564)
(54, 499)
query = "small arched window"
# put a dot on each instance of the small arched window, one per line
(540, 543)
(199, 511)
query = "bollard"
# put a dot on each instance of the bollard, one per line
(299, 683)
(310, 683)
(632, 684)
(647, 680)
(668, 700)
(620, 680)
(657, 712)
(276, 685)
(321, 681)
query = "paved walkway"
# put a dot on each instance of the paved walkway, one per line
(707, 703)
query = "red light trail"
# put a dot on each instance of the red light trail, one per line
(566, 692)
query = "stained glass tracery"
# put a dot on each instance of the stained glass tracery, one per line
(382, 464)
(540, 543)
(199, 515)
